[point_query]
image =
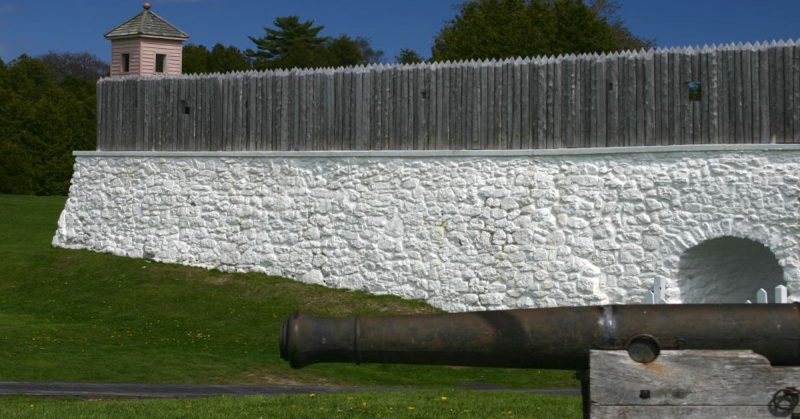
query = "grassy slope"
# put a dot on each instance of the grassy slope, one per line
(82, 316)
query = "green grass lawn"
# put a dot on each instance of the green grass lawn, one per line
(82, 316)
(413, 404)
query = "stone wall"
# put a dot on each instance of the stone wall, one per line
(461, 230)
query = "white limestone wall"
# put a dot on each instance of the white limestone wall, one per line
(461, 230)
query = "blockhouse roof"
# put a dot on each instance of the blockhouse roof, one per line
(147, 23)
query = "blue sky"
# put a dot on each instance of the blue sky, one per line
(37, 26)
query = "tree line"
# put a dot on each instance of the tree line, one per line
(482, 29)
(47, 109)
(47, 103)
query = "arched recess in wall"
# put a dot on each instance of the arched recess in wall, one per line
(727, 270)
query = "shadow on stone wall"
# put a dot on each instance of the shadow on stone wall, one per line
(727, 270)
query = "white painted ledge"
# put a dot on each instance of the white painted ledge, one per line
(450, 153)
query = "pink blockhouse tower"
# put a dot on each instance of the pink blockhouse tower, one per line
(146, 45)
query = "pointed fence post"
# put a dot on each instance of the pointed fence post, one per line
(781, 295)
(660, 291)
(657, 294)
(761, 296)
(649, 297)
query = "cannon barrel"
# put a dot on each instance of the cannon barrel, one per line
(557, 338)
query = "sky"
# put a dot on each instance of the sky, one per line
(35, 27)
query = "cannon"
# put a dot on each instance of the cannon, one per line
(548, 338)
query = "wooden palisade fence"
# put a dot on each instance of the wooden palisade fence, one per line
(747, 94)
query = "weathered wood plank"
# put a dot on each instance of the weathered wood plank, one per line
(613, 89)
(746, 99)
(576, 110)
(557, 107)
(455, 109)
(601, 91)
(492, 96)
(436, 118)
(516, 93)
(704, 113)
(676, 96)
(360, 142)
(408, 110)
(371, 87)
(541, 105)
(568, 103)
(503, 111)
(525, 106)
(774, 111)
(631, 107)
(428, 108)
(284, 121)
(380, 135)
(697, 134)
(662, 92)
(754, 135)
(198, 110)
(725, 134)
(687, 127)
(109, 102)
(639, 135)
(100, 122)
(546, 92)
(446, 82)
(267, 142)
(401, 118)
(788, 93)
(417, 107)
(587, 101)
(481, 107)
(678, 412)
(336, 112)
(796, 94)
(122, 116)
(779, 117)
(472, 95)
(259, 112)
(304, 97)
(738, 94)
(239, 134)
(688, 378)
(649, 100)
(203, 114)
(419, 101)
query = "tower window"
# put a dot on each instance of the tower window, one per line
(160, 60)
(126, 63)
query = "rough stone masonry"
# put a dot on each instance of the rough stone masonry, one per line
(461, 230)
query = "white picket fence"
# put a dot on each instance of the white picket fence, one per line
(657, 294)
(781, 296)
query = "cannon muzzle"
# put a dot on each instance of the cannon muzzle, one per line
(554, 338)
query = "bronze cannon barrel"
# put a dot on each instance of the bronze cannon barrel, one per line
(558, 338)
